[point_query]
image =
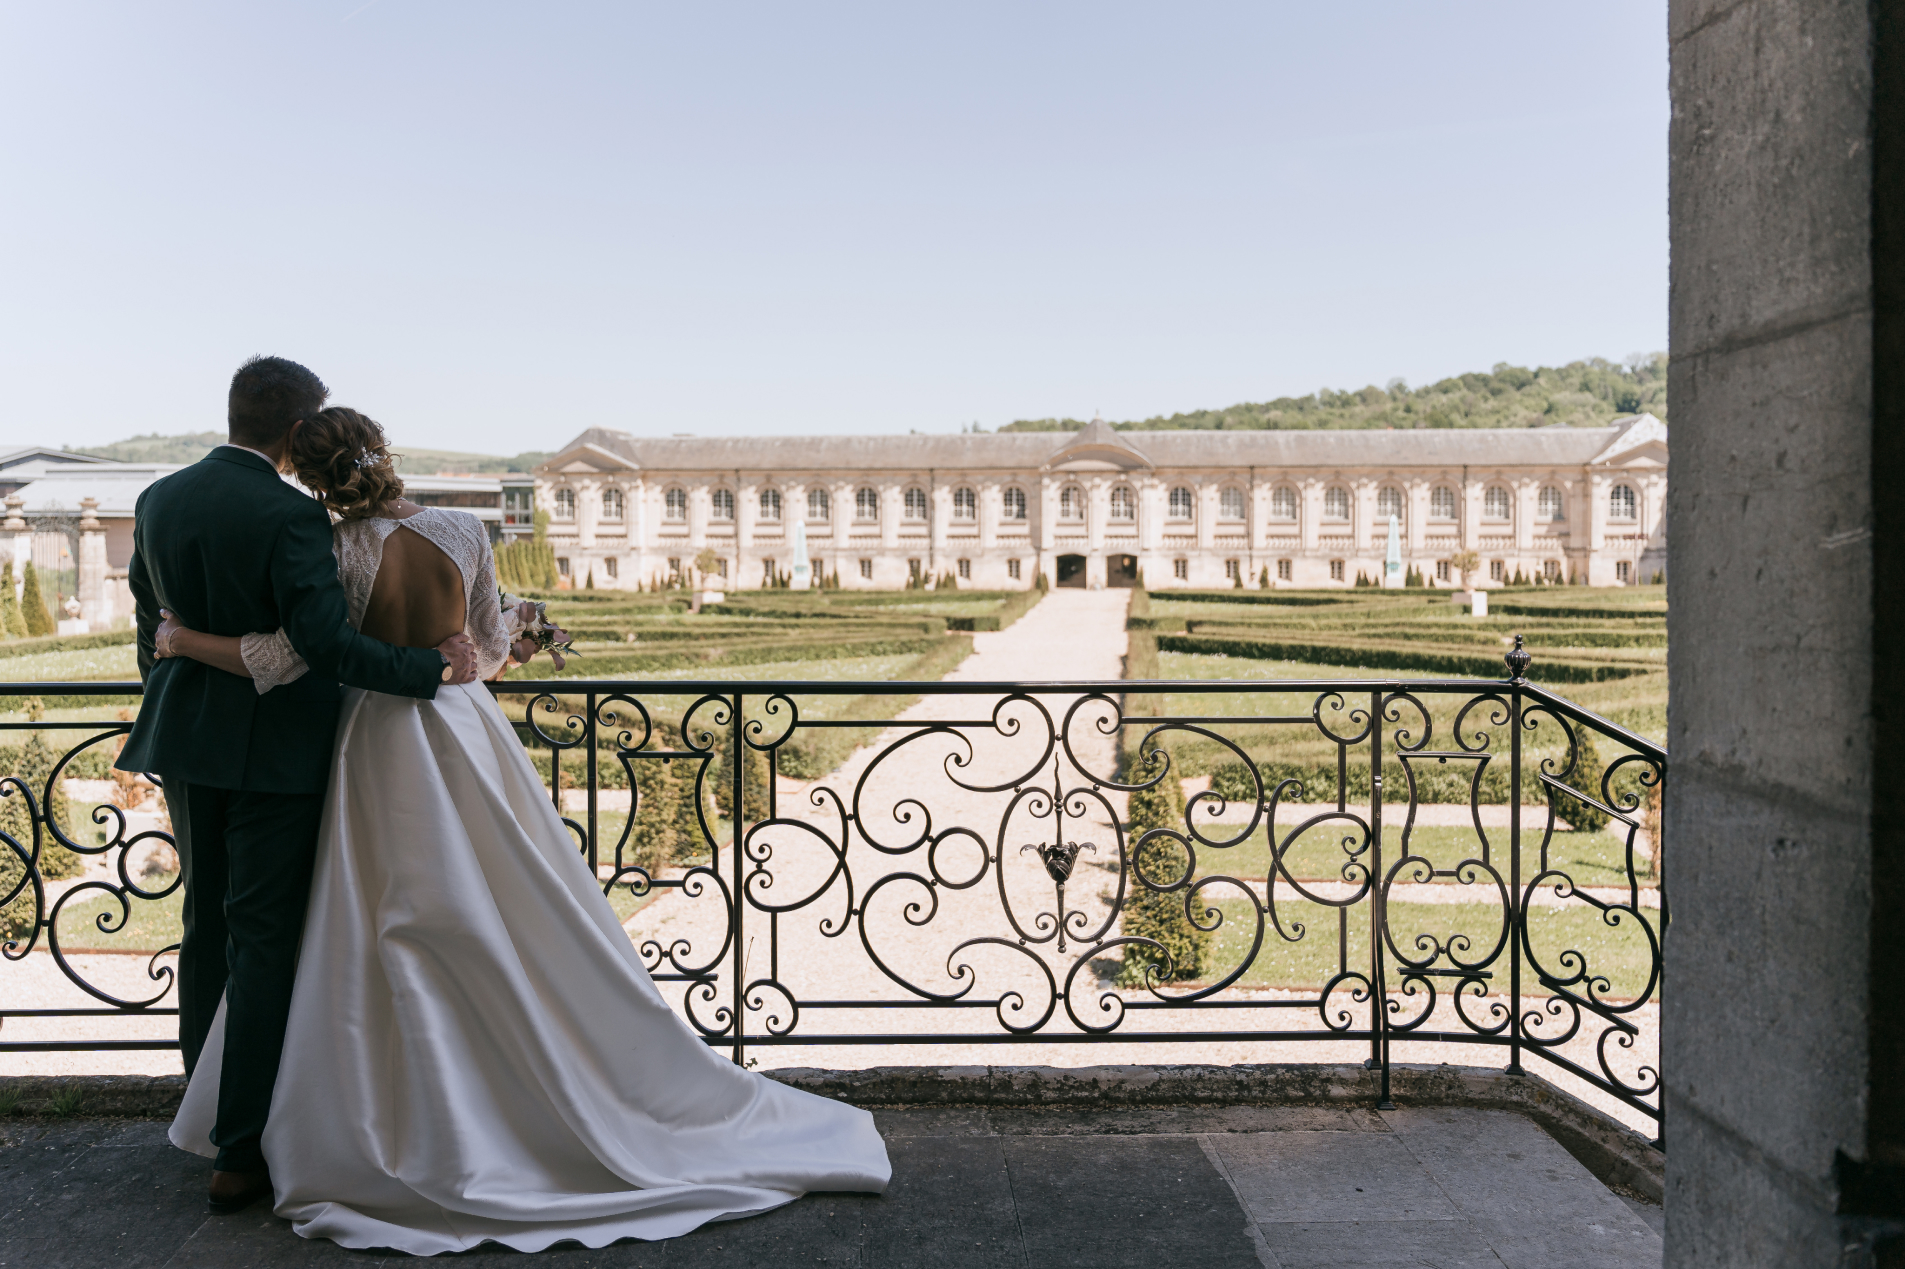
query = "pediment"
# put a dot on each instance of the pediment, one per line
(1646, 434)
(1097, 448)
(585, 459)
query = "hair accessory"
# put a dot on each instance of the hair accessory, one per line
(365, 459)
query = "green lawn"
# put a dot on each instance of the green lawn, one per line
(115, 664)
(1619, 953)
(1591, 859)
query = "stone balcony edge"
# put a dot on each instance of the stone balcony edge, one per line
(1615, 1154)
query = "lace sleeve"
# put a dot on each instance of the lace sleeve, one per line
(486, 611)
(271, 659)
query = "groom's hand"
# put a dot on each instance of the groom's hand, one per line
(461, 654)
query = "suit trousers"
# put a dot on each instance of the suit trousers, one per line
(247, 859)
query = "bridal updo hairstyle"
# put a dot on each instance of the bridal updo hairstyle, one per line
(339, 454)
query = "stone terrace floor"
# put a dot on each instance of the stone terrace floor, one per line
(974, 1187)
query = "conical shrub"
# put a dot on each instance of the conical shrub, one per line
(38, 620)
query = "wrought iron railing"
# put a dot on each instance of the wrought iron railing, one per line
(966, 875)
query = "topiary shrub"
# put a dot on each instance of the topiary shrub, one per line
(1147, 913)
(1586, 777)
(38, 620)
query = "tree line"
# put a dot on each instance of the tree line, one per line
(1580, 394)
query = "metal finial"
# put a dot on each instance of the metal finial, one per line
(1518, 659)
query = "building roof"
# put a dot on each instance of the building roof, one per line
(117, 486)
(12, 458)
(600, 449)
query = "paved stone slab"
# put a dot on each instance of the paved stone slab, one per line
(1098, 1201)
(1324, 1177)
(91, 1192)
(988, 1187)
(1450, 1244)
(1501, 1170)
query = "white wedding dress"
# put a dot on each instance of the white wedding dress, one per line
(475, 1052)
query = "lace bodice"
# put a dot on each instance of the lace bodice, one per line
(359, 545)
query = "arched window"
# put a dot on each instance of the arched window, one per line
(866, 504)
(1548, 504)
(770, 504)
(818, 504)
(915, 504)
(1283, 504)
(565, 504)
(1441, 503)
(1620, 502)
(1496, 505)
(1071, 503)
(1124, 506)
(1230, 504)
(1012, 505)
(965, 505)
(1388, 503)
(1182, 503)
(1336, 503)
(674, 504)
(611, 504)
(721, 504)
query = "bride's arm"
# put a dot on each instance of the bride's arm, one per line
(266, 659)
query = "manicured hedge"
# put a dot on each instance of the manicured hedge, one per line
(1379, 657)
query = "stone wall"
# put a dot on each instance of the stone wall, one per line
(1767, 997)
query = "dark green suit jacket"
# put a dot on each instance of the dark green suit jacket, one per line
(233, 550)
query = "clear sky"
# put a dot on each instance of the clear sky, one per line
(492, 225)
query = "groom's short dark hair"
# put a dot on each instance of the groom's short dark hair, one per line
(268, 395)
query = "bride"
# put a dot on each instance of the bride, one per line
(475, 1051)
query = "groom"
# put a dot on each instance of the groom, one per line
(233, 550)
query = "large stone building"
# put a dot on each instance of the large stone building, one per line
(1101, 508)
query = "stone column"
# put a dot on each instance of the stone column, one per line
(1783, 1034)
(95, 599)
(1310, 513)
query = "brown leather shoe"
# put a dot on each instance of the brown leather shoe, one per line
(235, 1191)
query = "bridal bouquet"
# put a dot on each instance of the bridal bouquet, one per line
(527, 619)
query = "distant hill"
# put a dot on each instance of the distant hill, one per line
(192, 446)
(1581, 394)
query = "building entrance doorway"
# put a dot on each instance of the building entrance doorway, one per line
(1071, 571)
(1121, 570)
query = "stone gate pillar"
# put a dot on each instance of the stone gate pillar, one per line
(22, 536)
(95, 598)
